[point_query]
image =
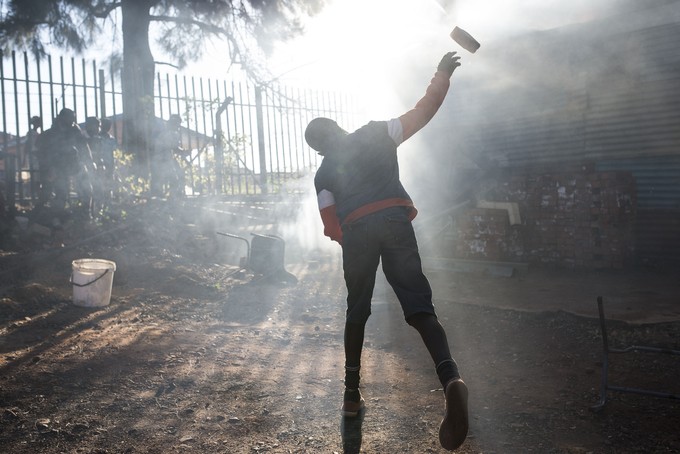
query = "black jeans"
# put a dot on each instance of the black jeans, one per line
(388, 236)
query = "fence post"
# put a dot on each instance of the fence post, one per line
(260, 139)
(4, 144)
(219, 145)
(102, 94)
(11, 161)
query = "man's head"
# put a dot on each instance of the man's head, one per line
(92, 125)
(106, 125)
(323, 134)
(66, 117)
(36, 122)
(174, 121)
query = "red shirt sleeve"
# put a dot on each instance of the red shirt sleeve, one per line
(329, 216)
(331, 224)
(413, 120)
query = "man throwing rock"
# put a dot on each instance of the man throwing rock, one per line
(365, 208)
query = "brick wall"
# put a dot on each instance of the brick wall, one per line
(574, 220)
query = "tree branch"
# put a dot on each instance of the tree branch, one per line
(166, 63)
(188, 21)
(101, 11)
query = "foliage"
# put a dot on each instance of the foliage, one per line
(180, 27)
(205, 175)
(129, 185)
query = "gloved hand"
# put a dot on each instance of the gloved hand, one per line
(449, 63)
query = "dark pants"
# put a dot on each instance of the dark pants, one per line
(388, 236)
(167, 176)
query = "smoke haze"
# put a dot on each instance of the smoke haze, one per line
(533, 57)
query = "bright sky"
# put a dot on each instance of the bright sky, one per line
(351, 34)
(370, 46)
(363, 44)
(387, 50)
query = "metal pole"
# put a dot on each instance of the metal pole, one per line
(95, 83)
(63, 88)
(73, 88)
(52, 99)
(605, 358)
(160, 94)
(243, 133)
(24, 154)
(206, 184)
(198, 145)
(84, 65)
(228, 137)
(219, 145)
(11, 160)
(212, 127)
(604, 387)
(116, 132)
(4, 111)
(260, 139)
(102, 93)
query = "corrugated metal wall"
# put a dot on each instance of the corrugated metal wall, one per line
(643, 119)
(633, 124)
(622, 112)
(657, 229)
(626, 106)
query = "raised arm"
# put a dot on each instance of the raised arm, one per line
(414, 120)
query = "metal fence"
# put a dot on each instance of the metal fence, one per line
(244, 138)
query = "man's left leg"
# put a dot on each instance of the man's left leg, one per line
(403, 270)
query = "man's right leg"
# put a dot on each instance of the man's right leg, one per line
(360, 258)
(352, 402)
(358, 311)
(354, 340)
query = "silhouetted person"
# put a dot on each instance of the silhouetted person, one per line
(29, 159)
(95, 143)
(91, 133)
(167, 172)
(108, 147)
(65, 163)
(365, 208)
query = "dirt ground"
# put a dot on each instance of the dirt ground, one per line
(195, 355)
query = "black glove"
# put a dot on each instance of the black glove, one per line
(449, 63)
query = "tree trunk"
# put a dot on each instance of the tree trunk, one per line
(137, 79)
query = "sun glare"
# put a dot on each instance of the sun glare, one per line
(384, 51)
(363, 46)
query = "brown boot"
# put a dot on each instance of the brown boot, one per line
(454, 426)
(352, 403)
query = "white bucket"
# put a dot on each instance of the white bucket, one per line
(92, 281)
